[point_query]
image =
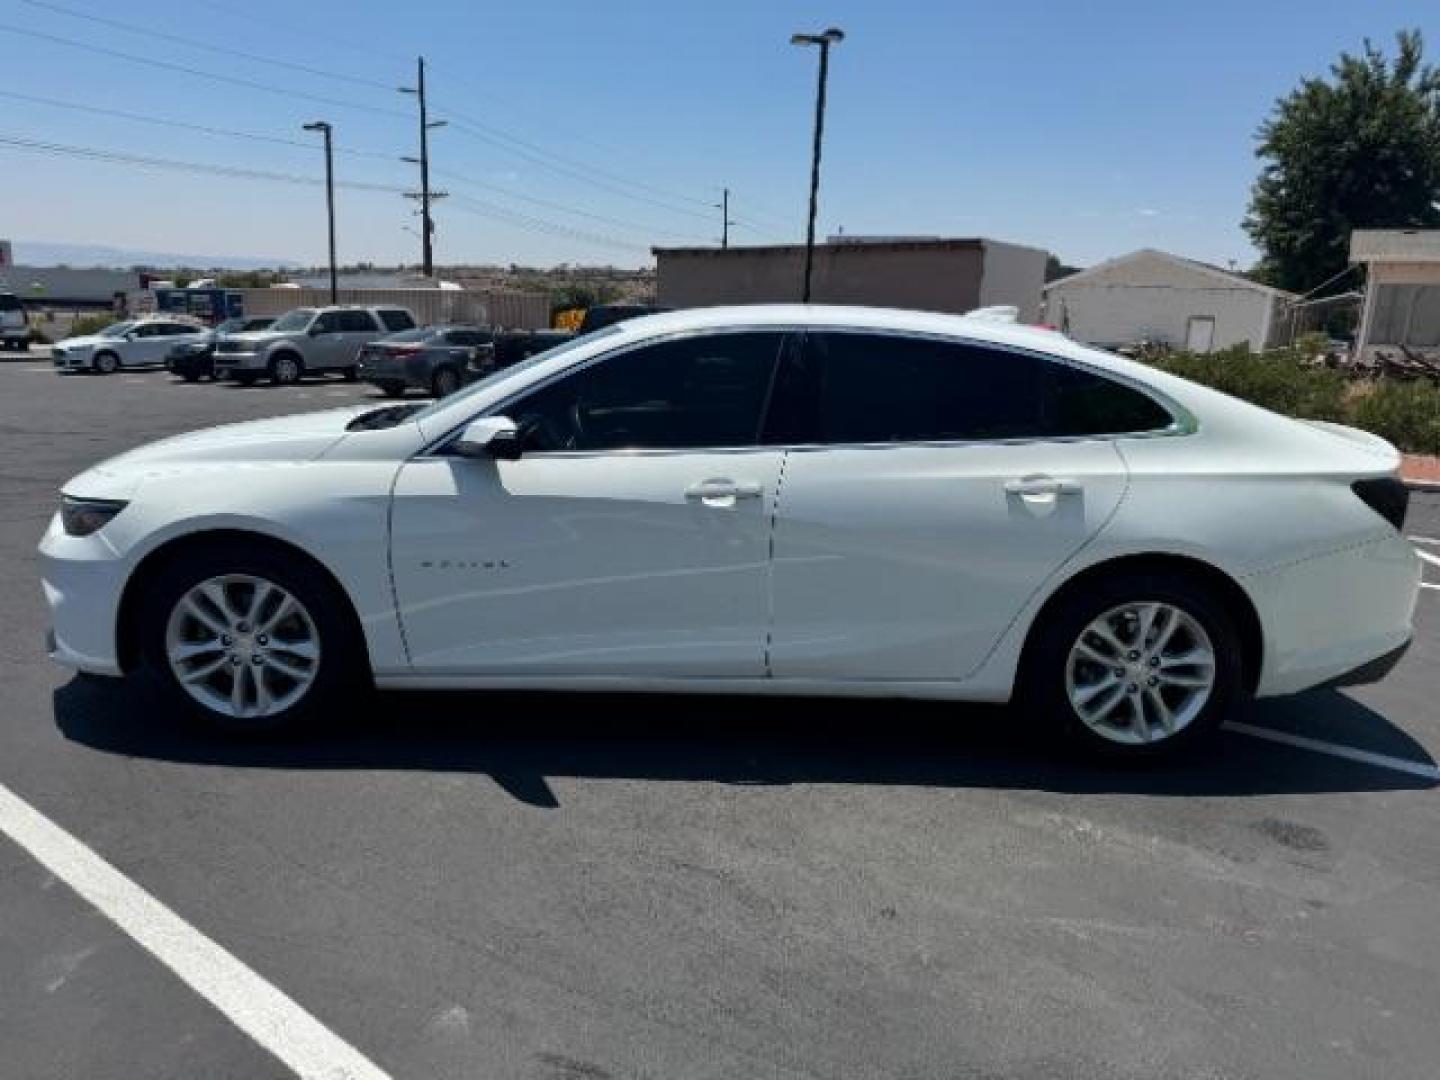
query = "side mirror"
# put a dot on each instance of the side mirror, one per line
(490, 437)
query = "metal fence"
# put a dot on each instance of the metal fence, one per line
(502, 309)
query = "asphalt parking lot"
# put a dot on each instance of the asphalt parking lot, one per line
(582, 888)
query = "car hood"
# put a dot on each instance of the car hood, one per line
(286, 439)
(86, 341)
(262, 337)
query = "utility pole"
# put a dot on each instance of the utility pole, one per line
(326, 130)
(824, 40)
(724, 207)
(425, 195)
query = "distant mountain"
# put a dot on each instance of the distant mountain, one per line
(44, 253)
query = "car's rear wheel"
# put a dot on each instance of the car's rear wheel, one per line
(391, 389)
(1134, 666)
(350, 374)
(246, 640)
(107, 363)
(285, 369)
(445, 382)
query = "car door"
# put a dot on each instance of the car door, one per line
(932, 487)
(631, 538)
(324, 343)
(358, 328)
(152, 341)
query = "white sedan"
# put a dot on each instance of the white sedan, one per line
(766, 500)
(132, 343)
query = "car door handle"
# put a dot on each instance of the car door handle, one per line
(1041, 486)
(722, 492)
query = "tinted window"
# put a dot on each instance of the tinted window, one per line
(10, 302)
(395, 319)
(872, 388)
(327, 323)
(691, 392)
(358, 322)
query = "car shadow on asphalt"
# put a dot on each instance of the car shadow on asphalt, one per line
(522, 740)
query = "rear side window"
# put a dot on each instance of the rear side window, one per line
(355, 322)
(396, 319)
(10, 302)
(876, 388)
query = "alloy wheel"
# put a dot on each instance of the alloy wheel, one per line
(242, 646)
(1140, 672)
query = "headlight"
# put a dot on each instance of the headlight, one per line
(81, 517)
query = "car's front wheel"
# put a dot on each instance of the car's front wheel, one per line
(245, 640)
(1134, 666)
(107, 363)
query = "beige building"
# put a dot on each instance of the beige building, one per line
(925, 274)
(1402, 294)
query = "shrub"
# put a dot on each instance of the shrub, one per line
(1405, 413)
(90, 324)
(1276, 380)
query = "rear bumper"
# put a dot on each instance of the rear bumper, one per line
(1336, 619)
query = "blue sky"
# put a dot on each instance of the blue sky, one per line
(1087, 129)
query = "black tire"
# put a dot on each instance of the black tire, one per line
(190, 375)
(445, 381)
(391, 389)
(1041, 688)
(106, 363)
(350, 374)
(286, 369)
(342, 665)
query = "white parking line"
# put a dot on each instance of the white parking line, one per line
(1427, 585)
(1424, 540)
(1349, 753)
(1433, 560)
(256, 1007)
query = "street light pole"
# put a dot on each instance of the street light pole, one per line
(325, 129)
(824, 39)
(724, 207)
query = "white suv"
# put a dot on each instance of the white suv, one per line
(307, 341)
(133, 343)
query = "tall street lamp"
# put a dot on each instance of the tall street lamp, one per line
(824, 39)
(326, 130)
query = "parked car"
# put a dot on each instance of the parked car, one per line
(436, 359)
(195, 360)
(513, 346)
(132, 343)
(970, 511)
(14, 327)
(307, 341)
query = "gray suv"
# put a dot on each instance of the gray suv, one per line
(306, 341)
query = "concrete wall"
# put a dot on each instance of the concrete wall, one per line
(511, 310)
(951, 276)
(1154, 298)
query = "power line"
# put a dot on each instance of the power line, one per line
(235, 172)
(195, 43)
(198, 73)
(185, 125)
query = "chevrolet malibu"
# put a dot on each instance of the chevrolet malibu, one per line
(760, 500)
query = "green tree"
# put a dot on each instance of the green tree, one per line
(1358, 150)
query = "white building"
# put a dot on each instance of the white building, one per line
(1402, 295)
(1154, 296)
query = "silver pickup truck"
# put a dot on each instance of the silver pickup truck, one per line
(307, 341)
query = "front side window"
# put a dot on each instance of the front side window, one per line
(396, 319)
(686, 393)
(295, 320)
(878, 388)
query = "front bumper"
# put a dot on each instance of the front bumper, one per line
(71, 361)
(226, 363)
(82, 578)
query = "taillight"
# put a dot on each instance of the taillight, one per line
(1387, 496)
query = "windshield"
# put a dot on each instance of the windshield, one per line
(298, 319)
(119, 329)
(500, 376)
